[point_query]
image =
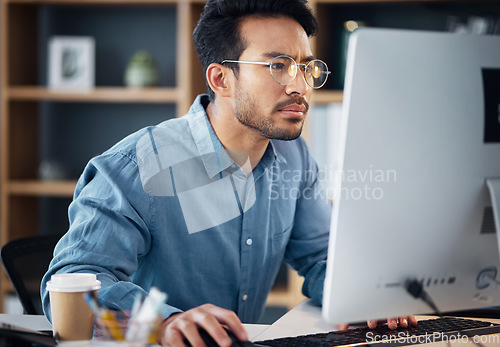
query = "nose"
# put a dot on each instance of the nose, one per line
(298, 84)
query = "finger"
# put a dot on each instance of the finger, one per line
(218, 334)
(239, 330)
(412, 320)
(172, 338)
(372, 324)
(161, 335)
(231, 320)
(403, 322)
(342, 327)
(190, 332)
(392, 323)
(205, 319)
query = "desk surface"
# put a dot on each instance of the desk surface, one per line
(305, 318)
(40, 322)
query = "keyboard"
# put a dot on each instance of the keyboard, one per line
(427, 331)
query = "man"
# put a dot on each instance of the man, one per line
(207, 206)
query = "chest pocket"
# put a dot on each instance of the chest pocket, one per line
(281, 221)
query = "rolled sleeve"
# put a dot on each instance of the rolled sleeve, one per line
(110, 222)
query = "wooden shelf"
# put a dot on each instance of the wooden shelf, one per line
(93, 2)
(284, 298)
(99, 94)
(6, 285)
(41, 188)
(327, 96)
(289, 295)
(175, 2)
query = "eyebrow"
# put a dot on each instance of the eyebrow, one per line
(274, 54)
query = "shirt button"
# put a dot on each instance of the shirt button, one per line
(244, 297)
(249, 242)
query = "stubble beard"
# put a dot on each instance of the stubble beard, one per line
(247, 113)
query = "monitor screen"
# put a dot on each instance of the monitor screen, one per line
(419, 137)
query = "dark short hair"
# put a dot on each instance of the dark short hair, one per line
(217, 35)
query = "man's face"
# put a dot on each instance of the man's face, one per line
(275, 111)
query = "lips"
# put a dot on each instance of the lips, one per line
(294, 110)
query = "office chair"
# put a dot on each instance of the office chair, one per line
(26, 260)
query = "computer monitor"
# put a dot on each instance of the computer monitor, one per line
(419, 137)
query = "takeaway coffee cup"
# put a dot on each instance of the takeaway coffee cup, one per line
(72, 318)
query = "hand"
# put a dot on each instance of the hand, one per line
(184, 326)
(392, 323)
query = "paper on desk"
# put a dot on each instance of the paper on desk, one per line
(33, 322)
(303, 319)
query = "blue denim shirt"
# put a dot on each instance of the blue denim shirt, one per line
(168, 207)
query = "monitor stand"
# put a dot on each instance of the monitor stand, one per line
(488, 275)
(494, 187)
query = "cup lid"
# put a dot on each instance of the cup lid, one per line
(73, 282)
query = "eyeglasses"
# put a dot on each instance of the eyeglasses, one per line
(284, 70)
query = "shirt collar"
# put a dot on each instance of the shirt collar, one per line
(276, 154)
(271, 155)
(214, 156)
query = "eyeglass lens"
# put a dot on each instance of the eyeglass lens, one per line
(284, 69)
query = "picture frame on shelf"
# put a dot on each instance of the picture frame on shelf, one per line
(71, 63)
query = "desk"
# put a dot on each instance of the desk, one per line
(303, 319)
(40, 322)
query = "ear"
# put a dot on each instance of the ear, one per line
(217, 78)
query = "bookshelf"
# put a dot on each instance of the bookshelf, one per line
(31, 114)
